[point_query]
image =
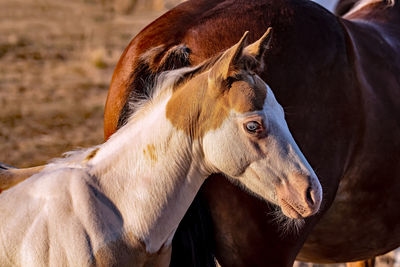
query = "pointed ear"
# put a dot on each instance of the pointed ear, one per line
(258, 48)
(229, 61)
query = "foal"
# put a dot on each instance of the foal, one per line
(120, 203)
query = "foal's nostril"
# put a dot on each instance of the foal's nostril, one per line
(309, 197)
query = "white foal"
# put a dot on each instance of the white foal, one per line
(120, 203)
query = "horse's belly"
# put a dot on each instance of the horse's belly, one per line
(363, 221)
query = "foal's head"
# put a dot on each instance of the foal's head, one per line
(234, 117)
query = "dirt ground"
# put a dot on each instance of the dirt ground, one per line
(56, 62)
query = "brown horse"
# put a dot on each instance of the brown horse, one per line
(338, 80)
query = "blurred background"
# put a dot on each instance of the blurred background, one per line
(56, 63)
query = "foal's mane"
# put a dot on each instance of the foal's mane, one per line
(173, 70)
(169, 79)
(151, 75)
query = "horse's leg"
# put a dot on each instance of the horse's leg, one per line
(10, 176)
(365, 263)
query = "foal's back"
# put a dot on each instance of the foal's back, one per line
(61, 218)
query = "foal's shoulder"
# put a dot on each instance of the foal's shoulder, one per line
(43, 208)
(77, 194)
(58, 188)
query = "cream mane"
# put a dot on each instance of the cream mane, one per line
(166, 81)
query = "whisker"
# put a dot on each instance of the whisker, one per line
(287, 226)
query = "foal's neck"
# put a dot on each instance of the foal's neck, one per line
(152, 173)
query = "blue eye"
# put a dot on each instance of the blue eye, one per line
(253, 126)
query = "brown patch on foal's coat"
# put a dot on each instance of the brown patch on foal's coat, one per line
(150, 152)
(204, 102)
(91, 155)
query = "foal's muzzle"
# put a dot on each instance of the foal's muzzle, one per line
(299, 196)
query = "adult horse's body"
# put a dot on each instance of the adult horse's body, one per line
(120, 203)
(338, 79)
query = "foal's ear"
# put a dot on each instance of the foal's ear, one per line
(228, 64)
(258, 48)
